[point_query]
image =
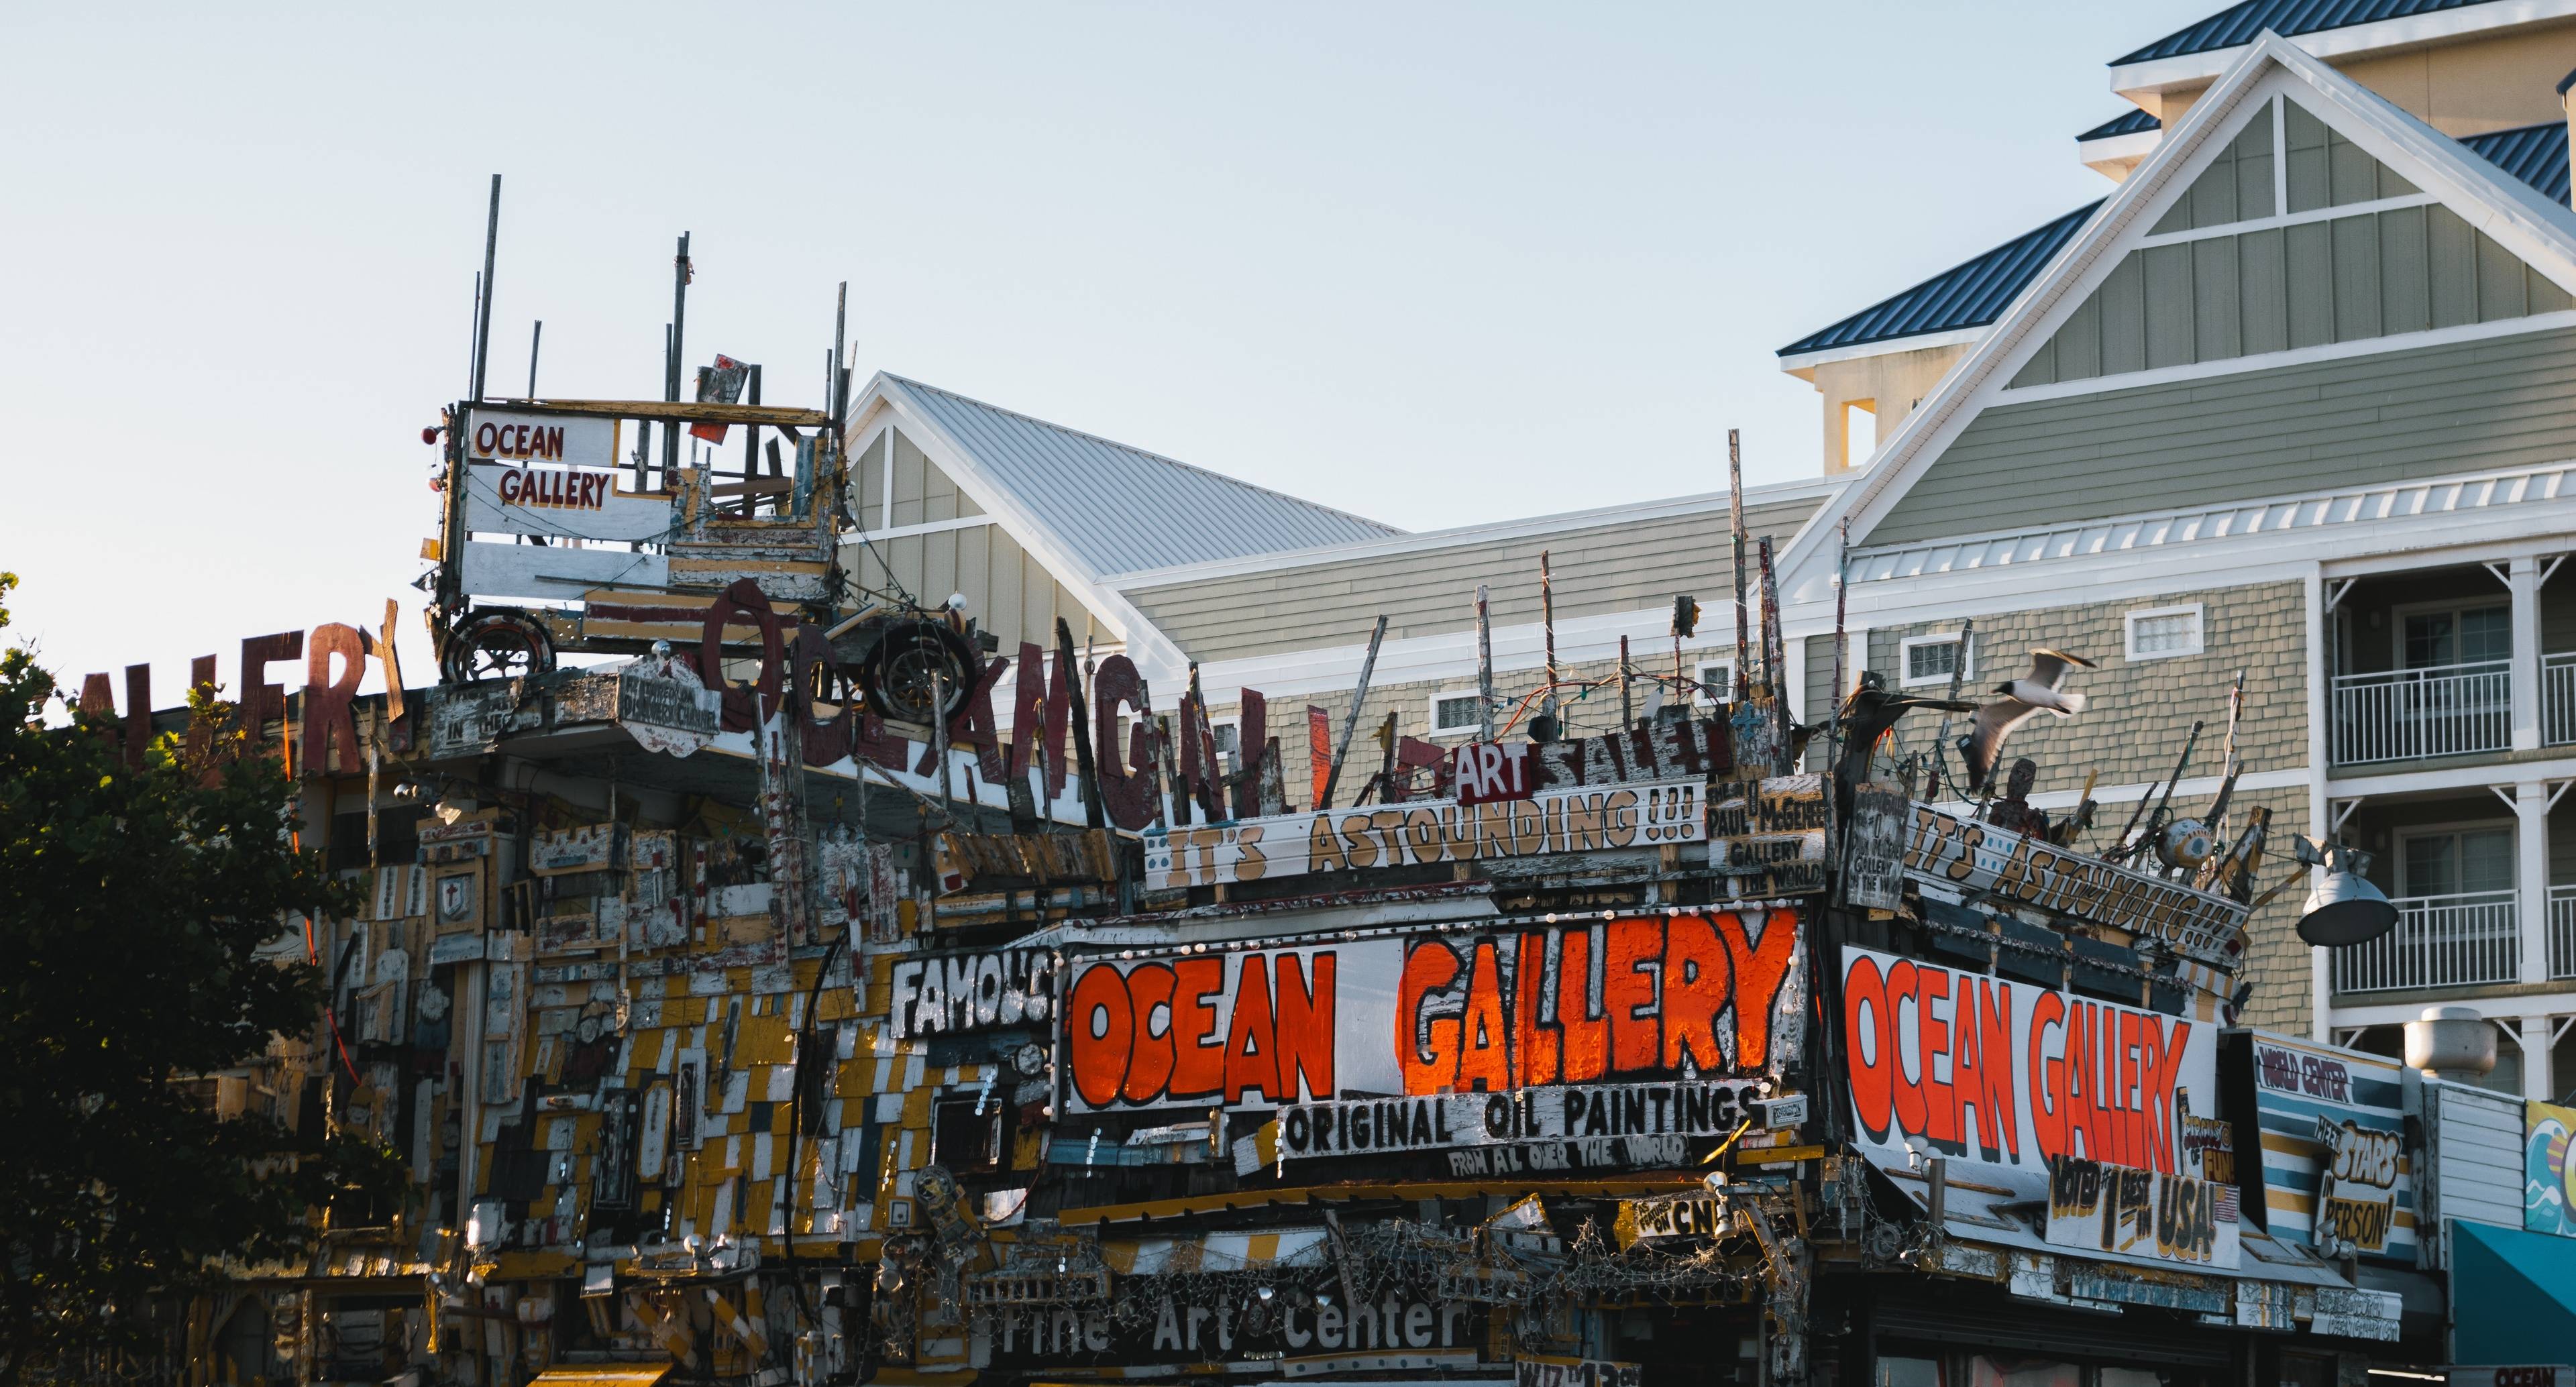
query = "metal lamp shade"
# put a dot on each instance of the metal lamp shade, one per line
(2344, 908)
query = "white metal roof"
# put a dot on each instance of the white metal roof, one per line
(1119, 509)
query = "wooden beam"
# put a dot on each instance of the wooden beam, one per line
(681, 411)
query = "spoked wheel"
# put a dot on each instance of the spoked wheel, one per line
(920, 672)
(494, 646)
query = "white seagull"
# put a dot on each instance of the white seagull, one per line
(2023, 699)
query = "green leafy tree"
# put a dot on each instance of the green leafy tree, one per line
(133, 905)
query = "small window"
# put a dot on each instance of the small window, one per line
(2160, 633)
(963, 1138)
(1934, 659)
(1716, 682)
(1455, 714)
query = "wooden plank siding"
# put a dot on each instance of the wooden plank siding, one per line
(2378, 274)
(2395, 416)
(1432, 589)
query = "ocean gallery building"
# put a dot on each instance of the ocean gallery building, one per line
(1234, 939)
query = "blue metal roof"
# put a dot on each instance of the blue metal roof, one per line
(2129, 122)
(2240, 24)
(1971, 294)
(2536, 154)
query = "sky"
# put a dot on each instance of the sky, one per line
(1438, 264)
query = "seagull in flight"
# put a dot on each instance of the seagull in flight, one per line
(2023, 699)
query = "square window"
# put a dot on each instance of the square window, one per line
(2160, 633)
(1716, 682)
(1453, 714)
(1933, 659)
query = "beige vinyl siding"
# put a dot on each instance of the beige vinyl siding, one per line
(1007, 590)
(2345, 280)
(2389, 417)
(1431, 591)
(923, 494)
(2236, 187)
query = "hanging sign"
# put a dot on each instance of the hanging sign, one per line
(561, 440)
(2097, 1207)
(1963, 854)
(1424, 832)
(2331, 1161)
(1706, 992)
(1873, 863)
(1697, 1214)
(1981, 1069)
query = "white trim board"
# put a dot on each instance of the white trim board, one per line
(1884, 346)
(2193, 787)
(2494, 1006)
(2296, 356)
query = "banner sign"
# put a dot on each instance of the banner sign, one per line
(2097, 1207)
(1423, 832)
(2333, 1171)
(1964, 854)
(2005, 1073)
(942, 994)
(2549, 1177)
(563, 440)
(1707, 992)
(1378, 1126)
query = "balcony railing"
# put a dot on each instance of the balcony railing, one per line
(2562, 931)
(2558, 698)
(2400, 715)
(2440, 941)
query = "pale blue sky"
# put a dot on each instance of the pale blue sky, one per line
(1437, 264)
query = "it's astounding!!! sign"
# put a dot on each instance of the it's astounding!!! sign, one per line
(1946, 850)
(1423, 832)
(1702, 993)
(2330, 1168)
(2009, 1074)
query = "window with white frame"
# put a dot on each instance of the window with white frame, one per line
(1454, 713)
(1229, 741)
(1716, 682)
(1934, 659)
(2161, 633)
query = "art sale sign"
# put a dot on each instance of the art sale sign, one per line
(2004, 1073)
(1702, 993)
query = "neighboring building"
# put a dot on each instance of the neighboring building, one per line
(2292, 401)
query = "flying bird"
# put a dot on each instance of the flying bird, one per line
(2023, 699)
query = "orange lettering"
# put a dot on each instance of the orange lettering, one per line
(1198, 1068)
(1304, 1027)
(1697, 983)
(1628, 992)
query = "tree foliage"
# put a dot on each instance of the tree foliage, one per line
(134, 904)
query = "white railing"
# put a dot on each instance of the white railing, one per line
(2440, 941)
(2558, 698)
(2562, 931)
(2399, 715)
